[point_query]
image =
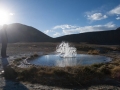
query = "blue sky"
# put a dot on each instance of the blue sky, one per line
(62, 17)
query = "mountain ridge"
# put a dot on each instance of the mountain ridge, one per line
(97, 37)
(22, 33)
(17, 32)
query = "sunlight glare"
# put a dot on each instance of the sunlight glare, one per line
(4, 17)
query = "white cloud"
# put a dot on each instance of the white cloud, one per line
(116, 10)
(47, 31)
(66, 29)
(69, 29)
(96, 16)
(52, 32)
(66, 26)
(118, 18)
(56, 34)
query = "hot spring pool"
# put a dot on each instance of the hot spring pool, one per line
(80, 59)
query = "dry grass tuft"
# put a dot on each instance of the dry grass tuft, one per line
(77, 75)
(94, 52)
(116, 72)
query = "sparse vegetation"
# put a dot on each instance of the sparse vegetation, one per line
(17, 61)
(116, 72)
(117, 48)
(84, 48)
(64, 76)
(34, 56)
(94, 52)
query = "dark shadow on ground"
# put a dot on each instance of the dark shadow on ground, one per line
(11, 85)
(10, 77)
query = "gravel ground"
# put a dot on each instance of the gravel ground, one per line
(12, 85)
(24, 49)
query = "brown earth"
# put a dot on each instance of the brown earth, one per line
(112, 51)
(46, 47)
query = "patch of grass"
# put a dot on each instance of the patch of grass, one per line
(116, 48)
(94, 52)
(104, 70)
(17, 61)
(34, 55)
(70, 75)
(116, 72)
(84, 48)
(23, 57)
(77, 75)
(116, 62)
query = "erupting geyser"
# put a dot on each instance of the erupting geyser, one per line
(69, 57)
(65, 50)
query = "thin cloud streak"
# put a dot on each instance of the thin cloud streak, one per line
(107, 26)
(118, 18)
(71, 29)
(116, 10)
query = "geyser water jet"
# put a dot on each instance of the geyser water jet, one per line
(65, 50)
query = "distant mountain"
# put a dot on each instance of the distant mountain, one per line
(22, 33)
(100, 37)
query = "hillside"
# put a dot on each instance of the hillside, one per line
(100, 37)
(22, 33)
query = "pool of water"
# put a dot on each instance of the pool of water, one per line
(80, 59)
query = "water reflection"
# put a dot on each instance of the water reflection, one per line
(80, 59)
(66, 62)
